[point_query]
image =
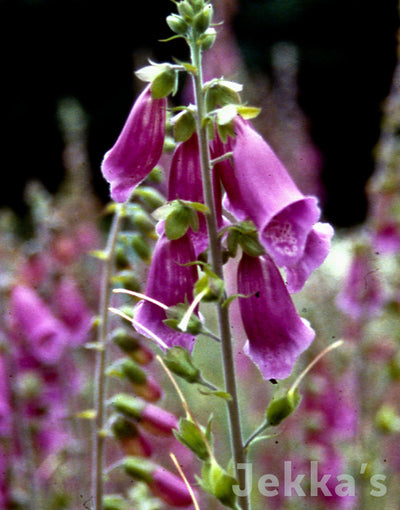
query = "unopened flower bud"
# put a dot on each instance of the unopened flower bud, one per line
(127, 280)
(175, 315)
(141, 247)
(143, 385)
(163, 484)
(131, 346)
(282, 407)
(129, 437)
(202, 21)
(207, 40)
(219, 483)
(194, 439)
(186, 11)
(179, 361)
(114, 502)
(177, 24)
(156, 420)
(387, 420)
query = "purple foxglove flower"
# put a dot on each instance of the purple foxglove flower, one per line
(33, 322)
(259, 188)
(276, 334)
(73, 311)
(5, 401)
(185, 182)
(362, 295)
(138, 147)
(170, 488)
(170, 283)
(316, 250)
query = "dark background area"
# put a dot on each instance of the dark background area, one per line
(52, 49)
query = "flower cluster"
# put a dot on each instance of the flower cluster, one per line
(252, 185)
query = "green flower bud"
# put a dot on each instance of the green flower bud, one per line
(179, 361)
(280, 408)
(207, 40)
(114, 502)
(127, 280)
(190, 436)
(123, 428)
(203, 19)
(186, 11)
(177, 24)
(214, 286)
(121, 258)
(128, 405)
(387, 420)
(150, 196)
(219, 483)
(125, 341)
(141, 247)
(139, 468)
(132, 371)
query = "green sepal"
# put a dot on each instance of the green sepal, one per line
(217, 393)
(176, 313)
(179, 361)
(138, 468)
(123, 428)
(128, 405)
(216, 481)
(177, 222)
(214, 287)
(226, 114)
(184, 125)
(207, 40)
(164, 84)
(279, 409)
(219, 93)
(248, 112)
(194, 439)
(129, 369)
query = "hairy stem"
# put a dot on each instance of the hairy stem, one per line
(238, 451)
(101, 363)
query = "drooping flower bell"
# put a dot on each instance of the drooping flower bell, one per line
(185, 183)
(276, 334)
(259, 188)
(138, 147)
(170, 282)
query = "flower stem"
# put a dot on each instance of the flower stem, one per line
(101, 363)
(238, 451)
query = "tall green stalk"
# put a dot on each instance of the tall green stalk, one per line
(101, 364)
(238, 451)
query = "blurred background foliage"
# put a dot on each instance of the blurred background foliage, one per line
(53, 49)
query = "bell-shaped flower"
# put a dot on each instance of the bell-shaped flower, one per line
(316, 250)
(362, 294)
(34, 323)
(259, 188)
(185, 182)
(138, 147)
(72, 309)
(169, 282)
(276, 334)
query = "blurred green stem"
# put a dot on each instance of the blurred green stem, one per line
(101, 363)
